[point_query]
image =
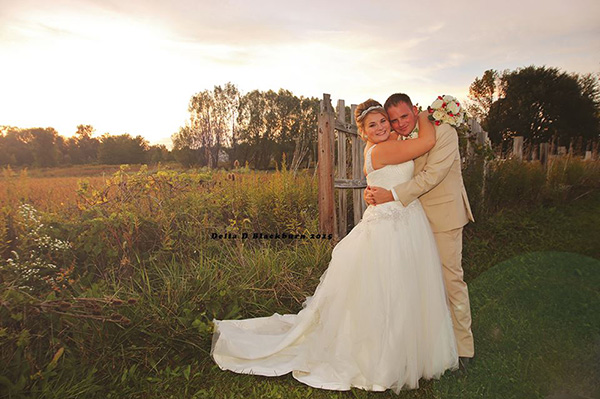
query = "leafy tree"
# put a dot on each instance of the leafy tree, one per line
(122, 149)
(253, 128)
(83, 148)
(482, 93)
(273, 124)
(44, 146)
(31, 147)
(305, 137)
(158, 153)
(211, 125)
(590, 88)
(14, 147)
(227, 100)
(542, 103)
(258, 127)
(188, 157)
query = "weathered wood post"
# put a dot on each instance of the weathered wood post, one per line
(518, 148)
(325, 168)
(330, 220)
(562, 151)
(482, 137)
(571, 150)
(579, 146)
(544, 153)
(342, 216)
(481, 140)
(358, 159)
(534, 152)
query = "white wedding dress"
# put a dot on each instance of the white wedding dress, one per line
(378, 318)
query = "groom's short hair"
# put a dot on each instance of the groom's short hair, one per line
(396, 99)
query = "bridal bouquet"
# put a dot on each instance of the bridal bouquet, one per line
(446, 109)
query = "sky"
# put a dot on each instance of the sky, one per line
(131, 66)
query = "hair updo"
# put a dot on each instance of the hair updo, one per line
(360, 118)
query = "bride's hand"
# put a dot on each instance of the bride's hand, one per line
(380, 195)
(368, 196)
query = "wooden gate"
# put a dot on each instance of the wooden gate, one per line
(332, 124)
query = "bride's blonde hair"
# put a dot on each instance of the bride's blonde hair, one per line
(362, 110)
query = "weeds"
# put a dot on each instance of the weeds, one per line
(138, 275)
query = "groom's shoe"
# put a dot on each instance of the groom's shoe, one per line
(464, 363)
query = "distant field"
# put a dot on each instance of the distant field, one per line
(83, 170)
(55, 189)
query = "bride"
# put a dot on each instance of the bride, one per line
(378, 319)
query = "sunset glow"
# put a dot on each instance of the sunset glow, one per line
(133, 68)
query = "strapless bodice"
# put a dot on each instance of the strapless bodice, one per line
(390, 175)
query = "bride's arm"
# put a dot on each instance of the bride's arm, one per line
(393, 152)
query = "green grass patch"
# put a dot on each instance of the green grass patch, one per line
(536, 326)
(537, 329)
(537, 333)
(573, 226)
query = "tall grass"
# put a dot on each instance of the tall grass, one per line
(138, 277)
(510, 184)
(112, 293)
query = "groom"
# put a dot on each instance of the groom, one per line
(438, 183)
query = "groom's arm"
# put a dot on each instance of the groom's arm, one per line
(437, 167)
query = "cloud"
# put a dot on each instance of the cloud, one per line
(139, 61)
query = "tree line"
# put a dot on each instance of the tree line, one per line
(44, 147)
(259, 128)
(262, 128)
(541, 104)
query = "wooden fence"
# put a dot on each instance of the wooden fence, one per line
(337, 171)
(545, 152)
(332, 124)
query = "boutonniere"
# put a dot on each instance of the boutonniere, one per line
(414, 134)
(446, 109)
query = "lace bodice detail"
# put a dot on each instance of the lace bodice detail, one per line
(388, 176)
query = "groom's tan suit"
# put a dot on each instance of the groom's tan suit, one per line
(438, 184)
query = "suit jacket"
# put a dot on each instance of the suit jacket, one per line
(438, 183)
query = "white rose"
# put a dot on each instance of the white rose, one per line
(437, 104)
(452, 107)
(448, 98)
(439, 115)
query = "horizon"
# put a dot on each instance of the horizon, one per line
(132, 68)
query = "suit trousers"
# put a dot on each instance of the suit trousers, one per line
(449, 245)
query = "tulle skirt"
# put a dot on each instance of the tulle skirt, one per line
(378, 319)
